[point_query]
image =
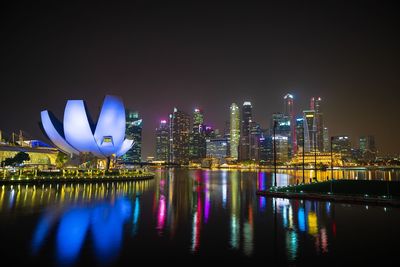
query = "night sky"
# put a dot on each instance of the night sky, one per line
(202, 54)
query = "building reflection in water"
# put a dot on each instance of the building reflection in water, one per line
(177, 199)
(76, 212)
(198, 211)
(235, 211)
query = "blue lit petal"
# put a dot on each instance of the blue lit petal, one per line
(54, 135)
(110, 128)
(77, 129)
(126, 145)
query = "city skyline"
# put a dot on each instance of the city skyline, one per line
(206, 56)
(149, 143)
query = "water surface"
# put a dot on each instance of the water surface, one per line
(193, 216)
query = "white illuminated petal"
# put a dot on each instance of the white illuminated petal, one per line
(54, 135)
(77, 129)
(110, 128)
(126, 145)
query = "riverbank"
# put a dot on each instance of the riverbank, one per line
(369, 192)
(93, 179)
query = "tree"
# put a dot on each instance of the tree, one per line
(19, 158)
(61, 159)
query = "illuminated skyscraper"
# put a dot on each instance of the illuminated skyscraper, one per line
(234, 130)
(299, 134)
(266, 147)
(217, 148)
(162, 141)
(309, 123)
(341, 144)
(133, 132)
(319, 122)
(197, 146)
(255, 135)
(282, 147)
(326, 140)
(244, 143)
(283, 128)
(289, 112)
(180, 128)
(367, 147)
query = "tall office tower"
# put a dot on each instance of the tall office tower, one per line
(310, 128)
(234, 130)
(319, 122)
(299, 134)
(180, 128)
(289, 112)
(341, 144)
(162, 141)
(282, 147)
(227, 135)
(217, 148)
(197, 144)
(244, 143)
(283, 128)
(326, 140)
(133, 132)
(266, 147)
(255, 135)
(367, 147)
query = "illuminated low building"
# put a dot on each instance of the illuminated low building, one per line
(37, 155)
(322, 158)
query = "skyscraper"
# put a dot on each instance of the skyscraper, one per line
(266, 147)
(299, 134)
(367, 147)
(283, 128)
(326, 140)
(244, 143)
(234, 130)
(289, 112)
(319, 122)
(162, 141)
(180, 128)
(341, 144)
(133, 132)
(217, 148)
(255, 135)
(309, 122)
(197, 146)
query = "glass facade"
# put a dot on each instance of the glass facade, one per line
(134, 132)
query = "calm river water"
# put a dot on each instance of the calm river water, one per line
(191, 216)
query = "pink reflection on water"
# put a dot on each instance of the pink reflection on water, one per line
(161, 214)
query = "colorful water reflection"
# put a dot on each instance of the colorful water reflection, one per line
(201, 207)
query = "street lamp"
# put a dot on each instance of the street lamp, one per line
(315, 155)
(331, 158)
(274, 131)
(303, 154)
(331, 162)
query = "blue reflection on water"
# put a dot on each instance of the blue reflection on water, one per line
(41, 231)
(302, 220)
(136, 213)
(71, 234)
(107, 229)
(105, 221)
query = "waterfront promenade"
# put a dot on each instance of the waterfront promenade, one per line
(367, 192)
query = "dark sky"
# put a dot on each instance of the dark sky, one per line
(199, 53)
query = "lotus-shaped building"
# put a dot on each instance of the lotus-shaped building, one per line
(77, 134)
